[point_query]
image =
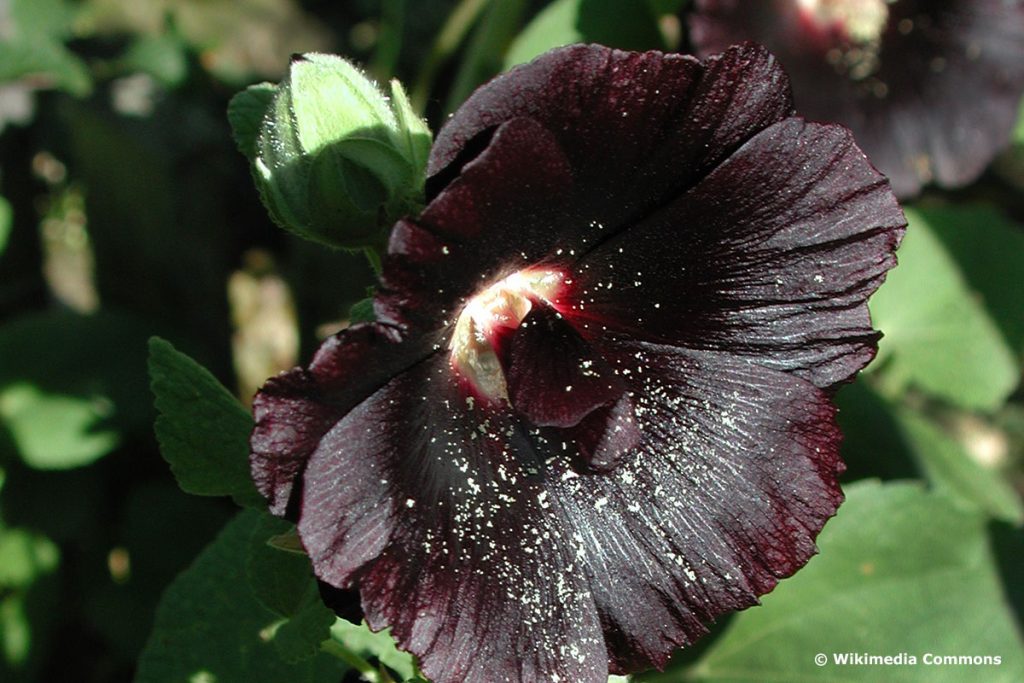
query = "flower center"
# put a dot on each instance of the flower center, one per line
(863, 20)
(488, 318)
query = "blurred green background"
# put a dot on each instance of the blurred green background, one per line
(126, 212)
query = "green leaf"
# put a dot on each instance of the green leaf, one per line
(952, 470)
(282, 581)
(52, 431)
(625, 25)
(888, 439)
(900, 570)
(246, 111)
(938, 335)
(6, 220)
(47, 61)
(28, 600)
(989, 251)
(483, 58)
(161, 56)
(210, 627)
(553, 27)
(362, 311)
(71, 385)
(361, 640)
(202, 429)
(50, 18)
(299, 638)
(33, 46)
(24, 556)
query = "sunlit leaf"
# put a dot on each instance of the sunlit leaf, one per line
(71, 385)
(54, 431)
(24, 556)
(900, 571)
(51, 18)
(380, 645)
(938, 335)
(202, 429)
(27, 565)
(625, 25)
(46, 61)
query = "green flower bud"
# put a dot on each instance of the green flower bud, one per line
(335, 160)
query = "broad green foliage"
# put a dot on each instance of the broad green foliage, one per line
(900, 570)
(202, 429)
(938, 335)
(245, 611)
(283, 582)
(989, 251)
(626, 25)
(63, 410)
(948, 466)
(211, 627)
(890, 439)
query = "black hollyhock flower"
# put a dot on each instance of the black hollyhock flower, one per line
(930, 88)
(594, 413)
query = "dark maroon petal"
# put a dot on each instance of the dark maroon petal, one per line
(605, 436)
(635, 127)
(944, 96)
(554, 378)
(443, 521)
(294, 410)
(344, 603)
(772, 256)
(495, 218)
(735, 477)
(521, 562)
(585, 141)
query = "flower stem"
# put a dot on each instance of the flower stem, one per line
(339, 650)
